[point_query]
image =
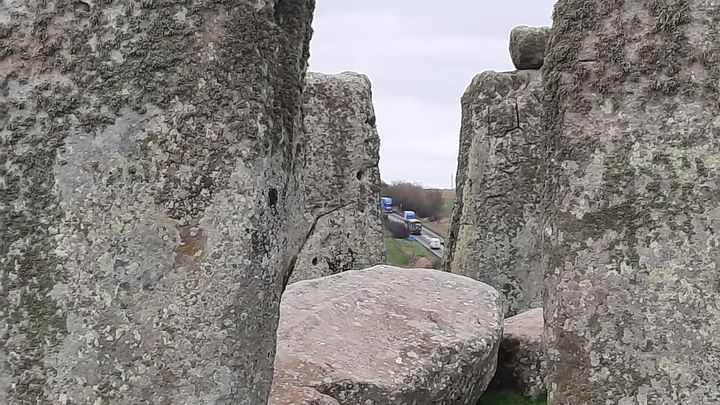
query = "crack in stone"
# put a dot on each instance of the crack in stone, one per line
(291, 266)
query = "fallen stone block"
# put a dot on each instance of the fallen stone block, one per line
(521, 357)
(387, 335)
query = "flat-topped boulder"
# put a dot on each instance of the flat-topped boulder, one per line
(294, 395)
(386, 335)
(527, 46)
(521, 357)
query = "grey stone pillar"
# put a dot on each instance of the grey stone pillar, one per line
(341, 180)
(146, 168)
(495, 231)
(633, 226)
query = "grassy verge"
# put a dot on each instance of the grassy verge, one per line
(508, 398)
(401, 252)
(395, 255)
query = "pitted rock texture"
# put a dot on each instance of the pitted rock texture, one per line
(495, 236)
(387, 335)
(147, 197)
(341, 177)
(633, 308)
(294, 395)
(527, 46)
(521, 357)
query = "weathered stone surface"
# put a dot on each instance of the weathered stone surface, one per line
(496, 233)
(341, 178)
(147, 200)
(386, 335)
(285, 394)
(633, 309)
(527, 46)
(521, 357)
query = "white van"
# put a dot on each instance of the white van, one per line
(435, 243)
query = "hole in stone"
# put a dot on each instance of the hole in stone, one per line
(81, 6)
(314, 261)
(359, 174)
(272, 197)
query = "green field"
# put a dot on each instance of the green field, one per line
(395, 255)
(400, 250)
(508, 398)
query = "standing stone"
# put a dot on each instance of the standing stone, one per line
(341, 177)
(633, 308)
(496, 230)
(527, 46)
(146, 197)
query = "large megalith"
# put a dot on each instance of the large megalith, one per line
(495, 233)
(633, 225)
(147, 197)
(341, 180)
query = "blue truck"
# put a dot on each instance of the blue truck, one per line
(386, 205)
(413, 223)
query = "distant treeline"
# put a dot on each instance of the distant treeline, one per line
(412, 197)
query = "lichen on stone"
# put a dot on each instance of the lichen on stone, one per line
(628, 251)
(140, 139)
(339, 170)
(495, 232)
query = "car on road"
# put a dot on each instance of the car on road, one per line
(435, 243)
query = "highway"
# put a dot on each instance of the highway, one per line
(423, 239)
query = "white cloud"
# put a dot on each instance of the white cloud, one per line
(420, 56)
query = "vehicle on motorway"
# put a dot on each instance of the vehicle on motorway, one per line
(386, 205)
(414, 226)
(435, 243)
(409, 215)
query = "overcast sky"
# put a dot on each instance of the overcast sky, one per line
(420, 56)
